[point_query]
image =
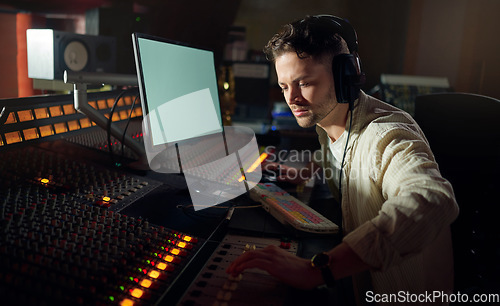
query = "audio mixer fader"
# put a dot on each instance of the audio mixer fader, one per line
(63, 242)
(213, 286)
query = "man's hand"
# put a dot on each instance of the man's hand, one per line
(295, 271)
(286, 267)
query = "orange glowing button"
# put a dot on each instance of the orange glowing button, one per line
(30, 134)
(127, 302)
(44, 181)
(85, 122)
(254, 166)
(169, 258)
(161, 266)
(187, 238)
(181, 244)
(60, 128)
(146, 283)
(137, 292)
(106, 199)
(154, 274)
(46, 130)
(175, 251)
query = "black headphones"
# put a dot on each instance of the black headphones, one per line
(347, 72)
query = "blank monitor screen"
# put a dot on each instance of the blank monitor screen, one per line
(179, 96)
(178, 88)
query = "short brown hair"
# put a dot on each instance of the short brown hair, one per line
(312, 36)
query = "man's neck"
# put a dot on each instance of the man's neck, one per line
(334, 124)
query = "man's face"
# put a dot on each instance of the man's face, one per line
(308, 88)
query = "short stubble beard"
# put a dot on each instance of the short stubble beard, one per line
(313, 119)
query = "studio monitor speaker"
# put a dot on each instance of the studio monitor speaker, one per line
(51, 52)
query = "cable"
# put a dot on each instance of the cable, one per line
(351, 107)
(110, 120)
(126, 126)
(227, 207)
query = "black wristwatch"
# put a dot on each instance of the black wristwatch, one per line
(322, 261)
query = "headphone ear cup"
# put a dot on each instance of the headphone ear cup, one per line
(347, 78)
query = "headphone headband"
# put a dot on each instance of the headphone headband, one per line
(346, 68)
(344, 29)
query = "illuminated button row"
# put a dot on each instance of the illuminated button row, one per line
(179, 244)
(108, 103)
(186, 238)
(148, 282)
(161, 263)
(107, 201)
(69, 109)
(47, 130)
(56, 128)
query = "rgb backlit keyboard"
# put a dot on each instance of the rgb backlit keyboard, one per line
(289, 210)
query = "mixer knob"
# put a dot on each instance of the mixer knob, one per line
(65, 268)
(77, 259)
(230, 286)
(235, 278)
(249, 248)
(34, 246)
(224, 295)
(90, 242)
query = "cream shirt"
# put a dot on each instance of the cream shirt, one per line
(396, 206)
(336, 153)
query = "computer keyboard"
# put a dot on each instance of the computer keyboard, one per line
(289, 210)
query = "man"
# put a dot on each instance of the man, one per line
(396, 207)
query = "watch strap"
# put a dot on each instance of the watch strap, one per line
(328, 276)
(321, 261)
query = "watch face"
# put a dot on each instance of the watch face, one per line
(320, 260)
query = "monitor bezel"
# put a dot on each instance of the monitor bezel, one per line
(144, 103)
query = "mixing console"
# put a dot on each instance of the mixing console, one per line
(98, 140)
(86, 182)
(56, 251)
(254, 287)
(62, 241)
(74, 230)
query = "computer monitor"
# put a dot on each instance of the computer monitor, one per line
(182, 122)
(177, 79)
